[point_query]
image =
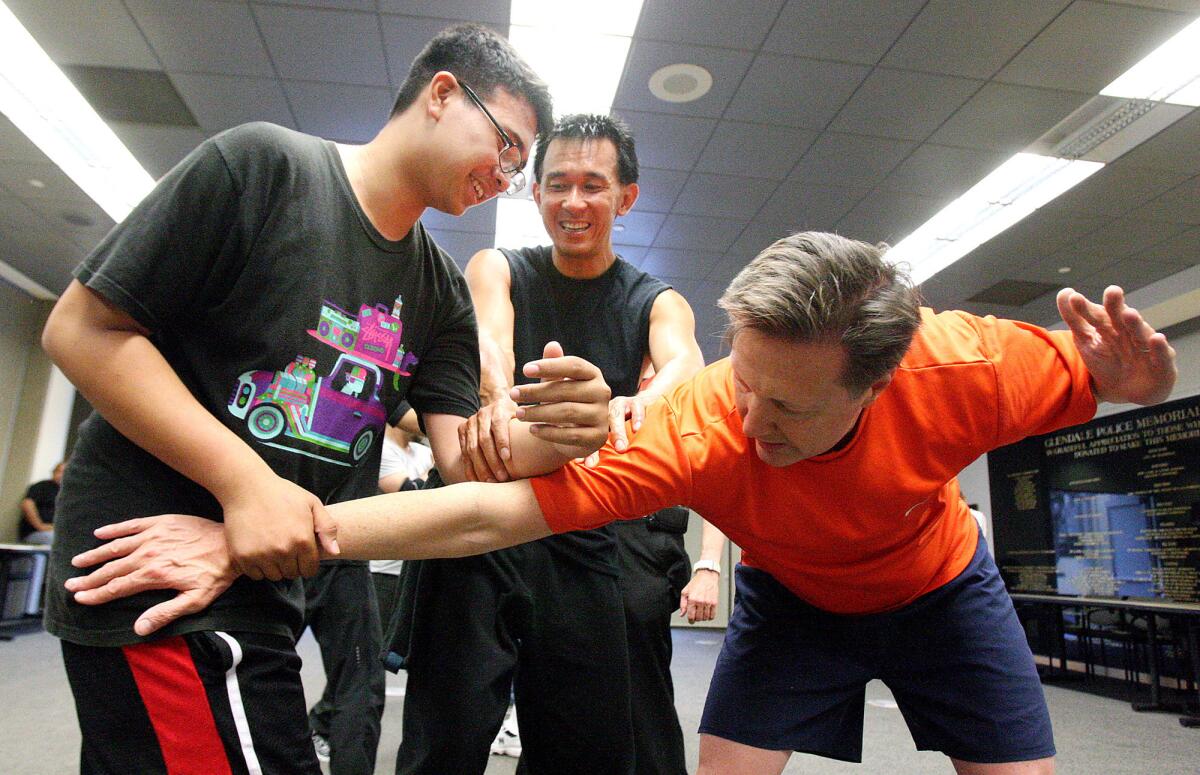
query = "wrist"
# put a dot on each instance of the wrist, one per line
(706, 565)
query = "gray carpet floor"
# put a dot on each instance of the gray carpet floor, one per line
(1095, 735)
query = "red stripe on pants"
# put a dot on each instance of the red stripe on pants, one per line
(178, 707)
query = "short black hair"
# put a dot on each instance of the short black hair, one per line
(592, 126)
(483, 58)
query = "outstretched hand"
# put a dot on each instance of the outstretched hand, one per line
(1128, 360)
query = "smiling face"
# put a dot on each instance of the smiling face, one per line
(789, 396)
(472, 145)
(580, 195)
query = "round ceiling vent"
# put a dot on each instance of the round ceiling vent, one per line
(680, 82)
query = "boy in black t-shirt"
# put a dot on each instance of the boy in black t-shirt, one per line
(244, 335)
(37, 508)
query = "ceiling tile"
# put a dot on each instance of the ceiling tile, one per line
(405, 36)
(671, 262)
(723, 272)
(491, 12)
(343, 5)
(1048, 269)
(1181, 204)
(797, 205)
(1125, 237)
(725, 196)
(203, 36)
(339, 111)
(640, 228)
(794, 91)
(837, 159)
(848, 30)
(941, 171)
(728, 25)
(883, 104)
(15, 146)
(85, 32)
(222, 101)
(1003, 117)
(695, 232)
(307, 44)
(15, 177)
(1175, 148)
(1179, 252)
(1038, 236)
(658, 189)
(1132, 273)
(42, 256)
(481, 219)
(727, 67)
(779, 149)
(1089, 45)
(158, 148)
(83, 222)
(757, 236)
(889, 217)
(668, 142)
(972, 40)
(1119, 188)
(634, 254)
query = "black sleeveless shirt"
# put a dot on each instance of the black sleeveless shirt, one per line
(605, 320)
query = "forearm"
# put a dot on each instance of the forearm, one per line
(454, 521)
(532, 456)
(30, 512)
(672, 373)
(712, 542)
(496, 367)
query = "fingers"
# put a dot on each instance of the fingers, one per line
(563, 367)
(637, 413)
(583, 436)
(326, 530)
(128, 527)
(489, 450)
(592, 460)
(183, 604)
(1073, 307)
(110, 551)
(95, 588)
(618, 409)
(561, 391)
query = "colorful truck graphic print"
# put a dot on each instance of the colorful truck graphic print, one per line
(340, 412)
(374, 335)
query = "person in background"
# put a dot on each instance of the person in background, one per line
(37, 508)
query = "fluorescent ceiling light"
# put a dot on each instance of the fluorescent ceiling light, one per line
(1170, 73)
(580, 50)
(47, 107)
(1011, 192)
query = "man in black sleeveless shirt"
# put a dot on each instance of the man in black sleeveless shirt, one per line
(582, 620)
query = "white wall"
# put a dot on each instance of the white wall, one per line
(23, 381)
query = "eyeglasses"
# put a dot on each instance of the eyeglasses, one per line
(510, 154)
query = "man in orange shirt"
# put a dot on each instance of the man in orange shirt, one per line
(826, 446)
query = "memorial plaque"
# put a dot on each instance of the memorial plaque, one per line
(1110, 508)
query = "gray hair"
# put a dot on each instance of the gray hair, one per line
(815, 287)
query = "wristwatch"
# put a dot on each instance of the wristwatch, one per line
(711, 565)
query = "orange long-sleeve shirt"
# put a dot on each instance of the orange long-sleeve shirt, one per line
(877, 523)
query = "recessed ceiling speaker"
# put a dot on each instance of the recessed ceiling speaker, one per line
(680, 82)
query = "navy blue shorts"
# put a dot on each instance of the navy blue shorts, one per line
(793, 677)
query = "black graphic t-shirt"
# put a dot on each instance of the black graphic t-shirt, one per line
(289, 318)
